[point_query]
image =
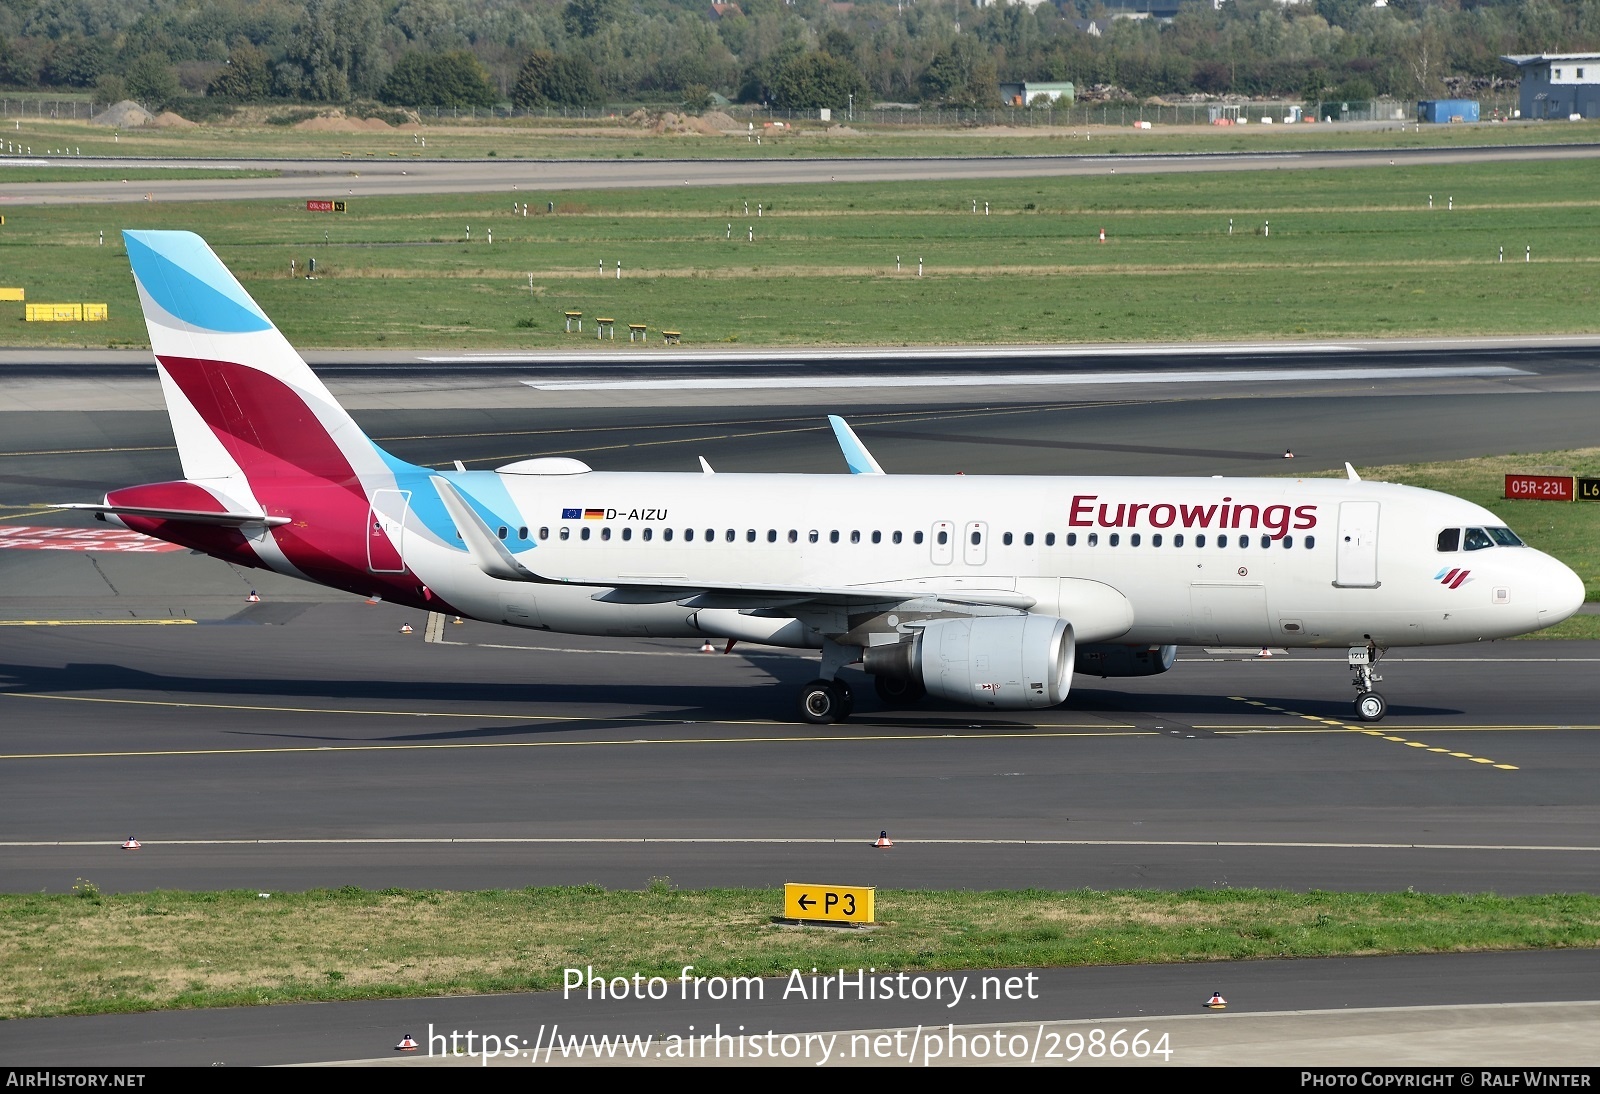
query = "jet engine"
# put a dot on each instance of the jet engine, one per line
(1109, 659)
(1012, 662)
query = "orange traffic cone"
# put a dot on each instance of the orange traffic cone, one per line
(1288, 454)
(405, 628)
(407, 1044)
(253, 598)
(706, 647)
(1216, 1002)
(1102, 235)
(883, 840)
(458, 619)
(1264, 652)
(131, 844)
(373, 599)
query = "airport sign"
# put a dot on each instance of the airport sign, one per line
(1539, 487)
(829, 903)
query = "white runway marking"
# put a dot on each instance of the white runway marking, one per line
(1024, 379)
(364, 841)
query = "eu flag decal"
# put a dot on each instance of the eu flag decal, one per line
(572, 514)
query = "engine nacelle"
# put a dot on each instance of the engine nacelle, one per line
(1109, 659)
(1013, 662)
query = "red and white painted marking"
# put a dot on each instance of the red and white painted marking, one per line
(82, 539)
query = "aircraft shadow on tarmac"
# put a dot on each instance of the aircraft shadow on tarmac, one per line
(658, 702)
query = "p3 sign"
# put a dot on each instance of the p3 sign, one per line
(829, 903)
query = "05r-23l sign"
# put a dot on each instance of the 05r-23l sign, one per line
(829, 903)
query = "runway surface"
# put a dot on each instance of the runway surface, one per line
(1533, 1009)
(303, 741)
(369, 178)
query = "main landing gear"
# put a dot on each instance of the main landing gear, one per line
(1369, 705)
(828, 700)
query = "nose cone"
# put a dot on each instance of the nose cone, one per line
(1560, 594)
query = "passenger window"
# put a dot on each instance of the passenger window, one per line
(1200, 540)
(794, 536)
(1072, 539)
(1027, 539)
(855, 536)
(666, 534)
(1222, 541)
(544, 533)
(916, 537)
(1155, 540)
(1049, 539)
(977, 538)
(896, 537)
(730, 535)
(1478, 539)
(1311, 541)
(502, 532)
(1288, 542)
(1116, 538)
(522, 533)
(750, 536)
(1177, 540)
(566, 533)
(605, 533)
(583, 533)
(772, 535)
(1266, 541)
(833, 536)
(1006, 539)
(1094, 539)
(647, 534)
(1244, 541)
(688, 535)
(627, 534)
(812, 535)
(1450, 540)
(944, 537)
(1133, 540)
(877, 536)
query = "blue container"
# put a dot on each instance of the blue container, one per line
(1447, 110)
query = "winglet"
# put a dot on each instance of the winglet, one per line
(487, 552)
(706, 467)
(856, 456)
(1350, 471)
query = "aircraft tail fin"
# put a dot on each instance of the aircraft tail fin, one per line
(243, 402)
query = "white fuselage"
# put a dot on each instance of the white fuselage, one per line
(1289, 562)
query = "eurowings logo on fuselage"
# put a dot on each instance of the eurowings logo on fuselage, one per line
(1088, 511)
(1452, 579)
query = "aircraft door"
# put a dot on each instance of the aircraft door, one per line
(975, 545)
(386, 523)
(942, 541)
(1357, 562)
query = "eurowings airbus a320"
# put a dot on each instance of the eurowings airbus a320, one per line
(983, 590)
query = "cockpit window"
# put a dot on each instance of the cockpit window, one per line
(1504, 537)
(1478, 539)
(1450, 539)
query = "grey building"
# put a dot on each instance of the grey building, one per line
(1558, 85)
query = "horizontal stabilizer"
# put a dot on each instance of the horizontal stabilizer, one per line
(188, 516)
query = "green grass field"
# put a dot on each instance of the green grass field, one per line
(616, 138)
(88, 953)
(1349, 253)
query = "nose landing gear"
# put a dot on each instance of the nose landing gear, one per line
(1369, 705)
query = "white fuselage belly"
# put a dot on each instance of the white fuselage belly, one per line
(1279, 579)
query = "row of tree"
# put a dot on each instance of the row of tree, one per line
(788, 52)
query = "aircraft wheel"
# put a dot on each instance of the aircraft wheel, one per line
(823, 702)
(1370, 707)
(899, 691)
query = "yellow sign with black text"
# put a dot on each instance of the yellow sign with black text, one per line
(829, 903)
